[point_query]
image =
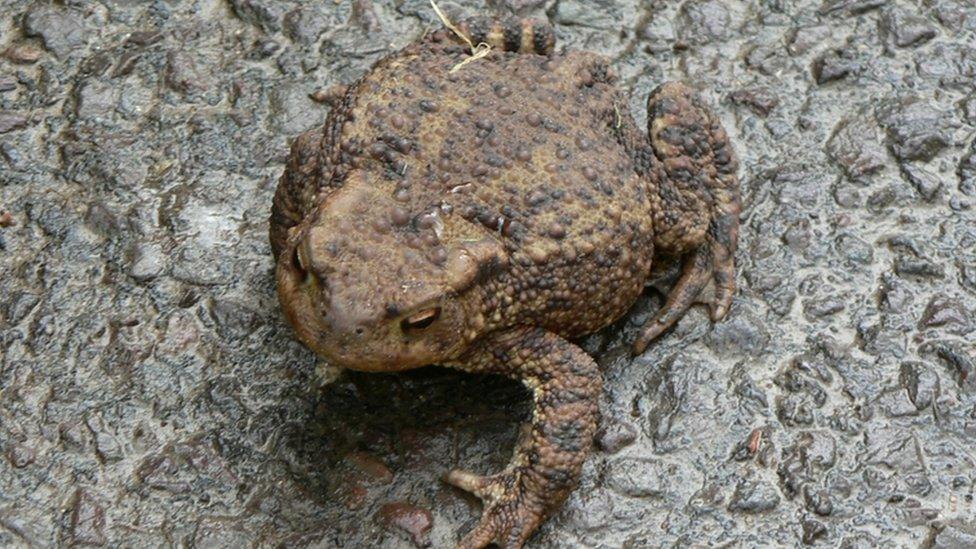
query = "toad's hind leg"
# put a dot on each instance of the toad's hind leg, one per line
(696, 213)
(505, 33)
(565, 385)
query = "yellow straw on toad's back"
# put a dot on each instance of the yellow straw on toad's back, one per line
(477, 52)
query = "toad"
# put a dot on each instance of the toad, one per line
(483, 216)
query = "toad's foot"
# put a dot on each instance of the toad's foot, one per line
(712, 262)
(565, 385)
(510, 515)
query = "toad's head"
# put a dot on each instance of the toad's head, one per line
(371, 286)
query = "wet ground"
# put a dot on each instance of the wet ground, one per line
(151, 393)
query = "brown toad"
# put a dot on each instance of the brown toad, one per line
(481, 218)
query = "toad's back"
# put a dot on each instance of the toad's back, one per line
(527, 148)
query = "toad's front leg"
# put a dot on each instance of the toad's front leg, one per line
(565, 385)
(696, 211)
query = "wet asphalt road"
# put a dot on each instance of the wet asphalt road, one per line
(151, 393)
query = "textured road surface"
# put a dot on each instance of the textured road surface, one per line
(151, 393)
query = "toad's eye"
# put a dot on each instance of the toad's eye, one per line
(297, 262)
(301, 264)
(420, 320)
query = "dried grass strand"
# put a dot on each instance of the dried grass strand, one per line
(477, 52)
